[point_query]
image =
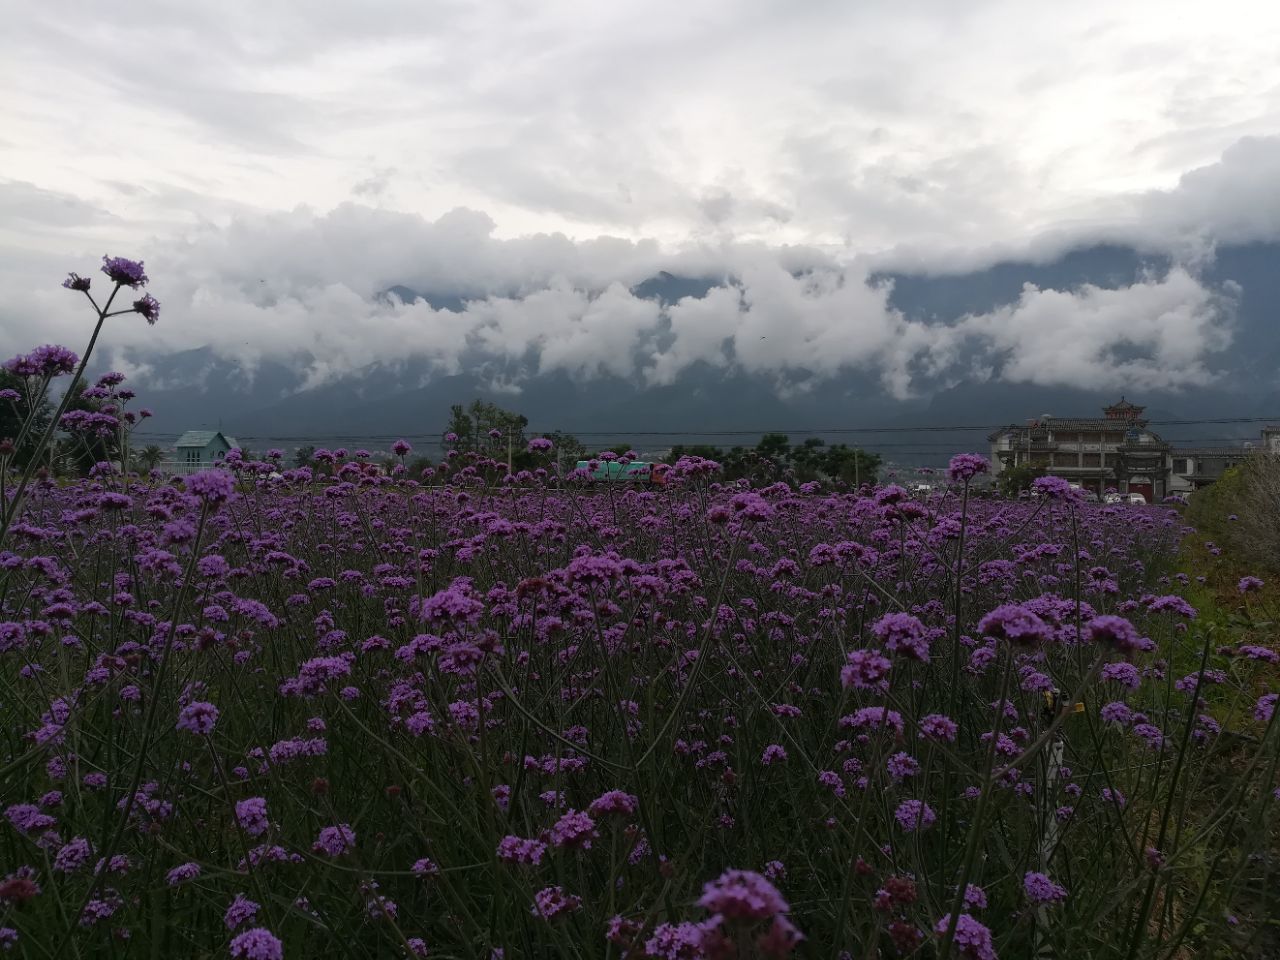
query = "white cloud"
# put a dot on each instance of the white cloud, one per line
(541, 304)
(1158, 333)
(278, 166)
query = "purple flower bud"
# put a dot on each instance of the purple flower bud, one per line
(149, 307)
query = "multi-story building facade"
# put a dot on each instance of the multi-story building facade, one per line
(1114, 451)
(1117, 451)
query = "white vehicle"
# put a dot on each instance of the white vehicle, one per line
(1113, 498)
(1137, 499)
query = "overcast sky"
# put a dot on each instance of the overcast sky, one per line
(329, 149)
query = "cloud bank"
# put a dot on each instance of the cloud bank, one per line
(309, 289)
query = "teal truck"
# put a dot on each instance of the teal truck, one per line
(615, 471)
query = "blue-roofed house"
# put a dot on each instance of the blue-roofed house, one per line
(198, 450)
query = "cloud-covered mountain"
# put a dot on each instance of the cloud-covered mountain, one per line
(363, 321)
(756, 348)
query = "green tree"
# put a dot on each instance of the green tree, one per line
(474, 425)
(13, 413)
(303, 456)
(849, 465)
(1013, 480)
(775, 446)
(704, 450)
(148, 458)
(806, 459)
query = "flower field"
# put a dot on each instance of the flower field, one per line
(266, 712)
(468, 717)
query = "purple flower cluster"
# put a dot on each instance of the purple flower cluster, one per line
(903, 634)
(198, 717)
(965, 466)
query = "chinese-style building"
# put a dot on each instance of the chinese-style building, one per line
(1118, 451)
(1114, 451)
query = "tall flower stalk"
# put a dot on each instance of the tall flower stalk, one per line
(123, 273)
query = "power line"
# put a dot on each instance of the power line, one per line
(792, 431)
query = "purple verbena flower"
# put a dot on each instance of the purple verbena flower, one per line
(335, 841)
(913, 815)
(198, 717)
(257, 943)
(971, 939)
(742, 895)
(1015, 624)
(251, 814)
(965, 466)
(128, 273)
(1040, 889)
(213, 487)
(1118, 633)
(149, 307)
(903, 634)
(241, 911)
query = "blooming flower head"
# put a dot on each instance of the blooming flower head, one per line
(903, 634)
(513, 849)
(613, 801)
(971, 939)
(336, 840)
(128, 273)
(198, 717)
(252, 816)
(182, 873)
(1055, 488)
(76, 282)
(551, 902)
(1015, 624)
(874, 718)
(937, 726)
(241, 911)
(1265, 708)
(966, 466)
(149, 307)
(773, 753)
(257, 943)
(213, 487)
(1249, 584)
(1040, 889)
(866, 670)
(902, 765)
(913, 815)
(400, 448)
(1118, 633)
(574, 829)
(742, 895)
(73, 855)
(49, 360)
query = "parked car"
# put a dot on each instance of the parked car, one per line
(1137, 499)
(1113, 498)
